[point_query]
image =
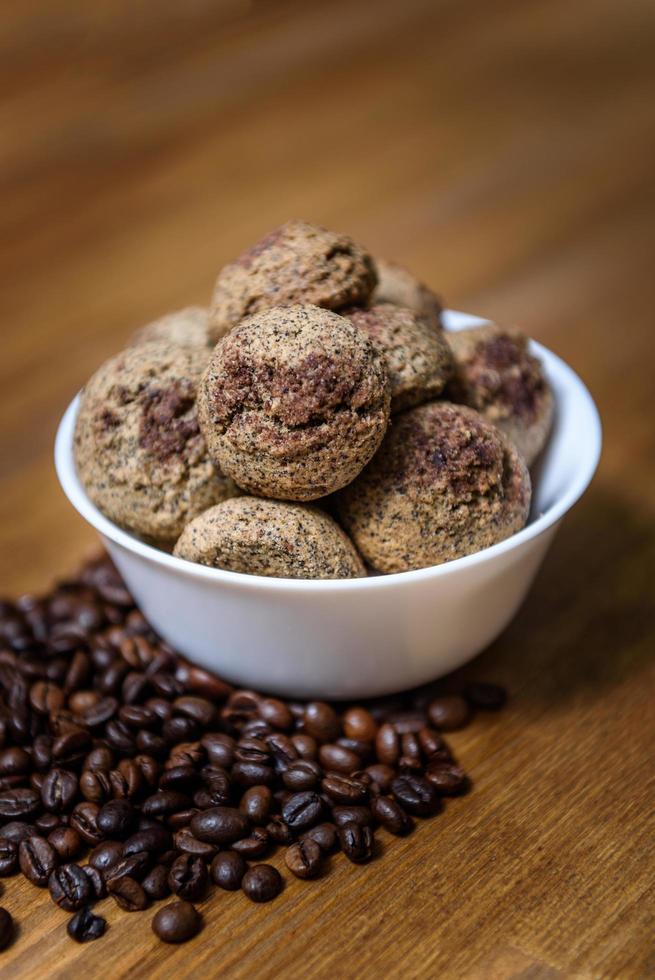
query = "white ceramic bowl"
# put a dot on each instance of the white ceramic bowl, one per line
(354, 638)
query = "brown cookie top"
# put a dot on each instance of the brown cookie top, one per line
(418, 356)
(296, 263)
(270, 537)
(496, 374)
(138, 447)
(445, 483)
(187, 328)
(397, 285)
(294, 402)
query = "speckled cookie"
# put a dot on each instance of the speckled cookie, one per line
(445, 483)
(418, 356)
(496, 374)
(138, 447)
(294, 402)
(296, 263)
(269, 537)
(187, 328)
(398, 285)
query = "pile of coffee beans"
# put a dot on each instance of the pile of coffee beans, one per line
(126, 771)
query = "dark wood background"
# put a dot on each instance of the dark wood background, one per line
(505, 152)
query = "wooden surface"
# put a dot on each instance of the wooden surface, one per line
(505, 152)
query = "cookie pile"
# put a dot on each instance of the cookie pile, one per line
(315, 421)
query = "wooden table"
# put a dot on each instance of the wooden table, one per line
(505, 152)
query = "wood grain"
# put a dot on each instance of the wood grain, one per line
(505, 152)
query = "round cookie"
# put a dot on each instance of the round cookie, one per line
(269, 537)
(294, 403)
(138, 447)
(445, 483)
(496, 374)
(398, 285)
(418, 356)
(187, 328)
(296, 263)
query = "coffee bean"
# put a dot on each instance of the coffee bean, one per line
(6, 928)
(98, 883)
(262, 883)
(325, 835)
(116, 819)
(127, 893)
(188, 844)
(106, 855)
(8, 857)
(344, 789)
(18, 803)
(84, 926)
(305, 745)
(177, 922)
(133, 866)
(37, 860)
(256, 804)
(199, 709)
(302, 810)
(164, 803)
(188, 877)
(449, 713)
(416, 795)
(358, 723)
(321, 721)
(276, 713)
(66, 842)
(227, 870)
(84, 819)
(219, 748)
(220, 825)
(154, 840)
(356, 842)
(95, 785)
(448, 779)
(279, 831)
(360, 815)
(45, 823)
(431, 742)
(15, 761)
(391, 815)
(339, 759)
(303, 859)
(302, 774)
(254, 846)
(381, 777)
(485, 697)
(183, 778)
(155, 884)
(387, 744)
(16, 830)
(70, 888)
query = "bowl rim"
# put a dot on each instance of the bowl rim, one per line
(454, 320)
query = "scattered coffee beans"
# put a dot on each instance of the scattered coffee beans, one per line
(113, 746)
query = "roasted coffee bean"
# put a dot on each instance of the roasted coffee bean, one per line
(449, 713)
(46, 822)
(6, 928)
(199, 681)
(301, 775)
(276, 713)
(95, 785)
(407, 722)
(153, 840)
(135, 716)
(177, 922)
(164, 803)
(416, 795)
(305, 745)
(42, 752)
(15, 761)
(356, 842)
(106, 855)
(186, 754)
(220, 748)
(381, 777)
(227, 870)
(18, 803)
(58, 790)
(302, 810)
(181, 819)
(180, 778)
(100, 757)
(485, 697)
(359, 724)
(361, 815)
(252, 773)
(127, 893)
(256, 804)
(185, 842)
(84, 819)
(151, 743)
(46, 697)
(344, 789)
(97, 881)
(197, 708)
(84, 926)
(37, 860)
(70, 747)
(8, 857)
(387, 744)
(254, 846)
(321, 721)
(391, 815)
(220, 825)
(448, 779)
(116, 819)
(279, 831)
(132, 779)
(134, 866)
(180, 729)
(66, 842)
(431, 742)
(188, 877)
(303, 859)
(70, 888)
(325, 835)
(155, 884)
(262, 883)
(120, 737)
(16, 831)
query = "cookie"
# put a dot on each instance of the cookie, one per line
(294, 403)
(187, 328)
(419, 359)
(296, 263)
(269, 537)
(398, 285)
(138, 447)
(445, 483)
(496, 374)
